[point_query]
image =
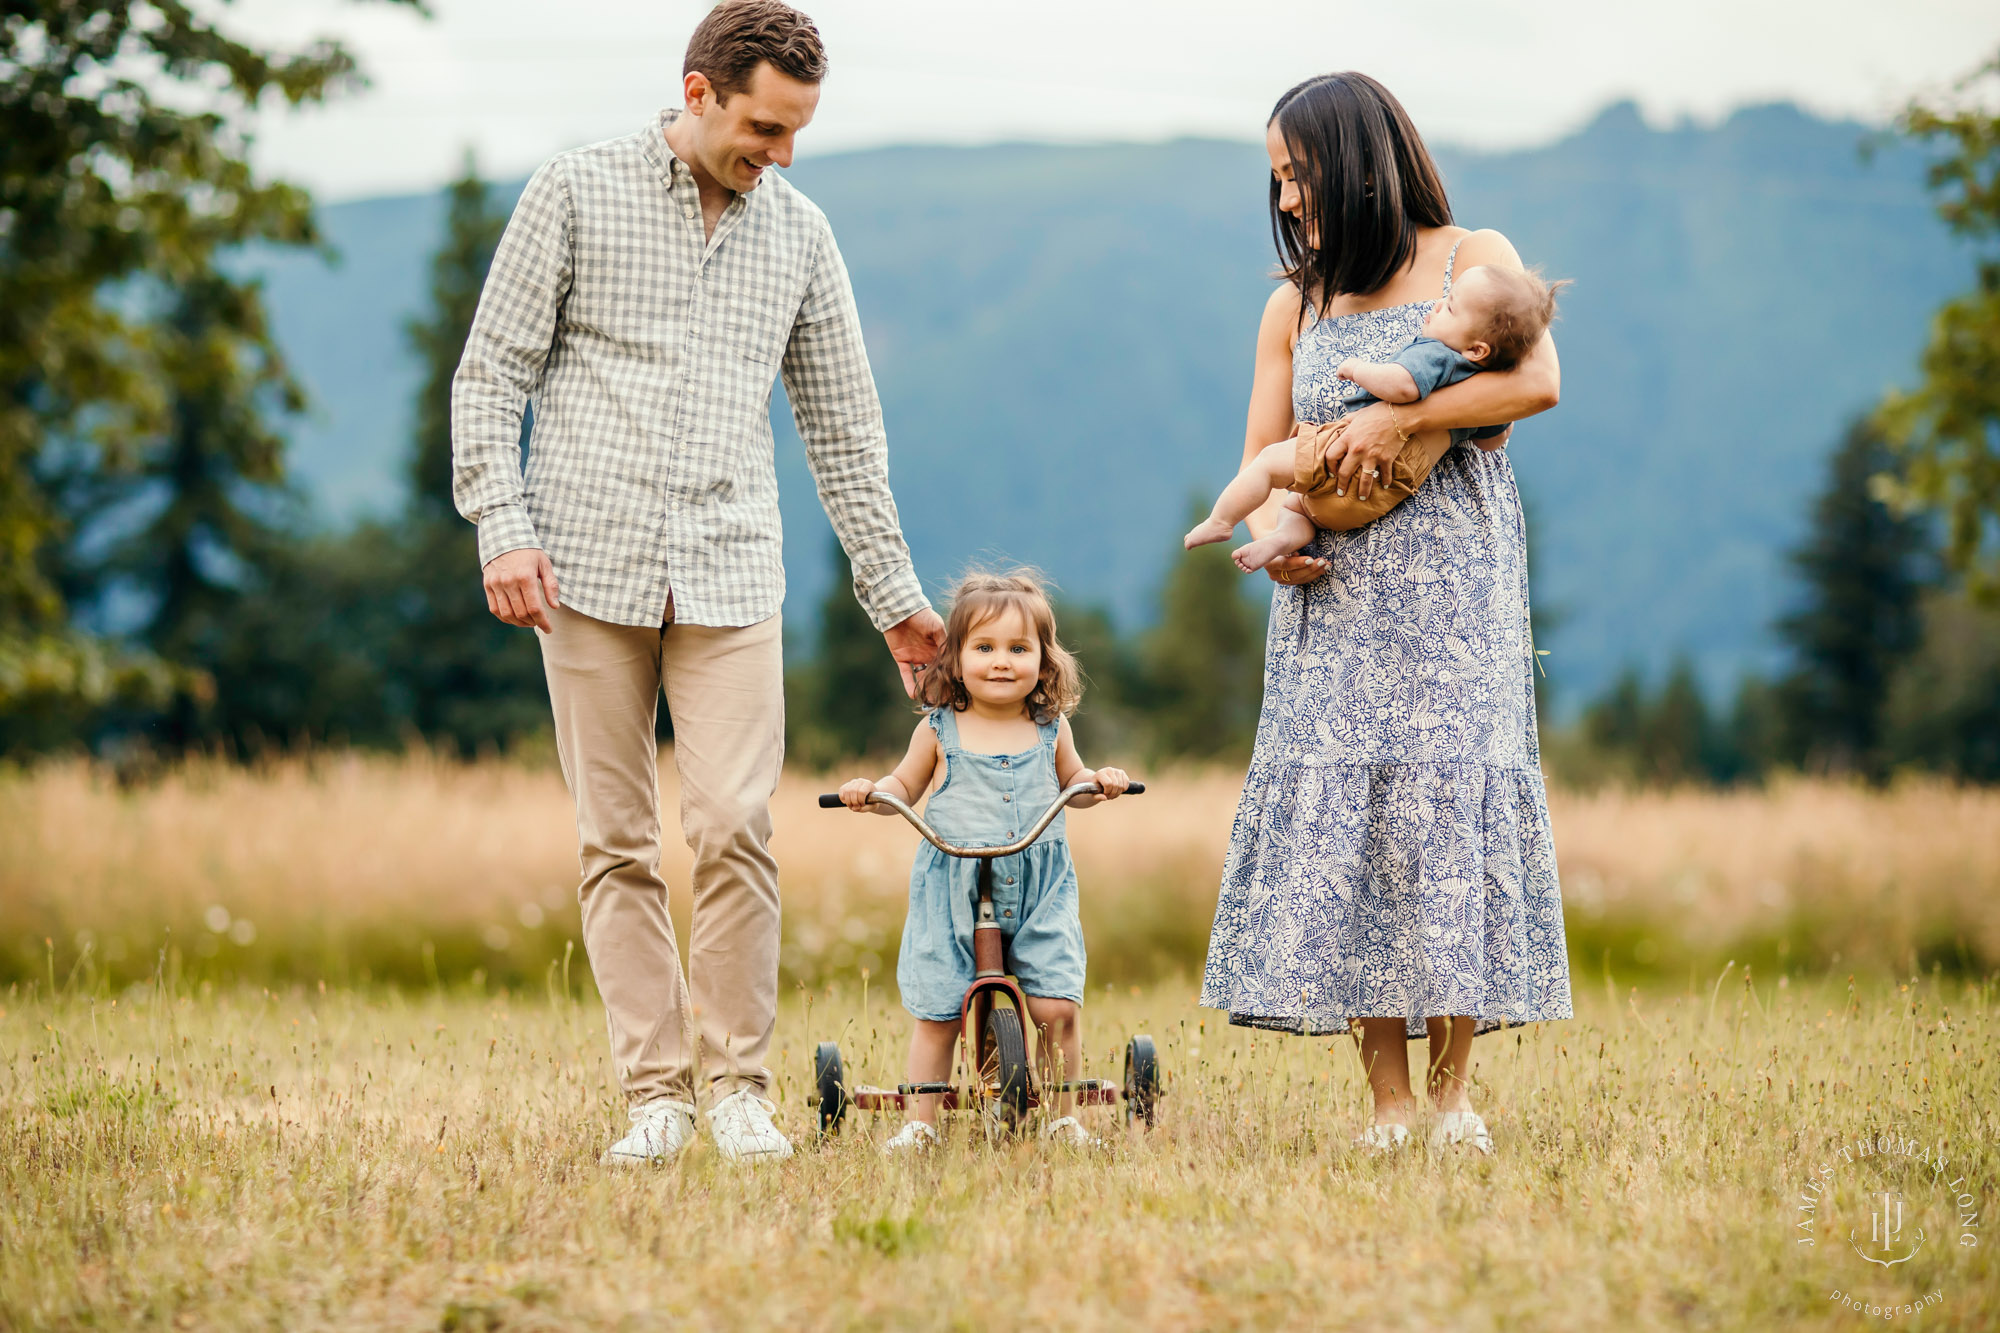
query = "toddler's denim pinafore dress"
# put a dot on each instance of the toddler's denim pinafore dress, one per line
(989, 800)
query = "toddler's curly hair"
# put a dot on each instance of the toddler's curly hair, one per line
(979, 597)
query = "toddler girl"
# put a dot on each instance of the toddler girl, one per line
(992, 752)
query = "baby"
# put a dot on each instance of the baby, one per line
(1491, 319)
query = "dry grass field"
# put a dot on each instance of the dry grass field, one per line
(303, 1047)
(302, 1160)
(354, 869)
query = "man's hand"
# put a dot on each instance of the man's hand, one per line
(517, 582)
(914, 643)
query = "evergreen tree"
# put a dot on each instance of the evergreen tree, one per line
(209, 486)
(1203, 664)
(456, 674)
(848, 702)
(1863, 567)
(1674, 741)
(1944, 704)
(1947, 429)
(1108, 721)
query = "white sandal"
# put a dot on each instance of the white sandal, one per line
(1383, 1138)
(1461, 1127)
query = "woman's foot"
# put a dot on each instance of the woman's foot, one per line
(913, 1138)
(1208, 532)
(1253, 556)
(1386, 1137)
(1461, 1127)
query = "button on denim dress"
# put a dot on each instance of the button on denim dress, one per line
(989, 800)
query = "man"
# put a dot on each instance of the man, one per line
(645, 294)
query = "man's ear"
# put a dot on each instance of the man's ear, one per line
(1478, 351)
(696, 91)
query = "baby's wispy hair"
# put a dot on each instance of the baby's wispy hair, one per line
(1520, 310)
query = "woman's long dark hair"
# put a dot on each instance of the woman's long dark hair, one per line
(1366, 180)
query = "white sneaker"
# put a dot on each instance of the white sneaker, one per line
(1461, 1127)
(661, 1130)
(1069, 1132)
(741, 1124)
(913, 1138)
(1383, 1138)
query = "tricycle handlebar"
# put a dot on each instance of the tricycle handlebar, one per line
(831, 801)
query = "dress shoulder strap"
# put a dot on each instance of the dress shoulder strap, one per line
(945, 723)
(1450, 262)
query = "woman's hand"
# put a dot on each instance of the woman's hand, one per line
(1363, 452)
(1292, 570)
(854, 795)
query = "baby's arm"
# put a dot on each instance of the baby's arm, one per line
(1385, 379)
(1070, 771)
(1270, 470)
(912, 775)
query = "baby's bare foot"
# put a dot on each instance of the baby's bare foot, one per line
(1253, 556)
(1207, 532)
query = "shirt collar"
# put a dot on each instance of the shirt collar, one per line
(672, 170)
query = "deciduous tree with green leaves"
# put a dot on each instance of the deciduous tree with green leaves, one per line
(1947, 428)
(117, 205)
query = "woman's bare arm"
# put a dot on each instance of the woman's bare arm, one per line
(1270, 420)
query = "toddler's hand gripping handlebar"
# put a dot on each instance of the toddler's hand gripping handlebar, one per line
(831, 801)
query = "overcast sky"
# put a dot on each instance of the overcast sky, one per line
(517, 80)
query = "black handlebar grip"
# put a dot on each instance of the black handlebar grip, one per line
(830, 801)
(1135, 789)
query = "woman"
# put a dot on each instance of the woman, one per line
(1391, 868)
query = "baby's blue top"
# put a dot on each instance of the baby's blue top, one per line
(988, 800)
(1432, 365)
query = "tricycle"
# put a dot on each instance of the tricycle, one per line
(993, 1017)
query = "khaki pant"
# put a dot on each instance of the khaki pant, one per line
(725, 693)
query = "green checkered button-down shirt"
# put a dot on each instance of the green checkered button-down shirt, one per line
(648, 351)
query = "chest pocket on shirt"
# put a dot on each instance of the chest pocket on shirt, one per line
(757, 328)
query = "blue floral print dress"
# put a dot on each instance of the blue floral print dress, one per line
(1391, 855)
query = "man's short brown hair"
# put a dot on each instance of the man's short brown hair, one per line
(739, 35)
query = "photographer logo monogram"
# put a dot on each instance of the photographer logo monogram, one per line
(1880, 1201)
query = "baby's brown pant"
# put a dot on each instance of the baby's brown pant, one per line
(1314, 481)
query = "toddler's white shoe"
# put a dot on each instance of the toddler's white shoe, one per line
(913, 1138)
(1385, 1138)
(1069, 1132)
(661, 1130)
(741, 1125)
(1461, 1127)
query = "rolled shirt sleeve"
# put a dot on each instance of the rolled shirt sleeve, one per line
(506, 352)
(839, 416)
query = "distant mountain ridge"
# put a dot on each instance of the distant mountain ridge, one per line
(1062, 336)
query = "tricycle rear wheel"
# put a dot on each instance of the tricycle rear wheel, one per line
(1142, 1080)
(830, 1076)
